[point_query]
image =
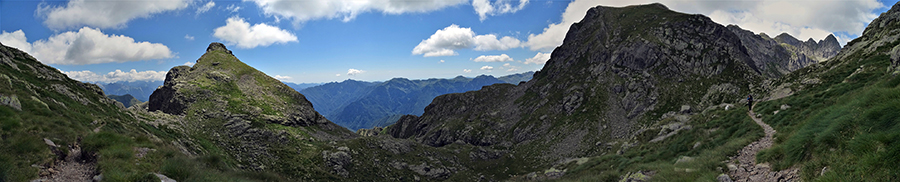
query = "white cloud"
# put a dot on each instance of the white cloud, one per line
(189, 63)
(88, 46)
(801, 19)
(233, 8)
(442, 61)
(484, 8)
(490, 42)
(487, 68)
(282, 78)
(467, 70)
(346, 10)
(16, 39)
(337, 75)
(554, 34)
(103, 13)
(237, 31)
(188, 37)
(539, 58)
(205, 7)
(493, 58)
(353, 72)
(118, 75)
(446, 41)
(510, 67)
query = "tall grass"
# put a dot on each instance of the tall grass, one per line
(844, 130)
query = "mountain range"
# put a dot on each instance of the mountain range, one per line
(358, 104)
(139, 89)
(635, 93)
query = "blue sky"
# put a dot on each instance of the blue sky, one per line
(332, 40)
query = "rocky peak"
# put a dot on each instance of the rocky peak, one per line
(223, 86)
(215, 46)
(616, 68)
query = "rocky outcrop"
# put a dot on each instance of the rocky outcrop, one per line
(338, 161)
(369, 132)
(615, 68)
(11, 101)
(166, 99)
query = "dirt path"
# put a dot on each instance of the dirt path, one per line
(744, 167)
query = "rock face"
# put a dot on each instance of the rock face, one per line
(616, 68)
(784, 53)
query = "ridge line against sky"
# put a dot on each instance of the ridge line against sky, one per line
(332, 40)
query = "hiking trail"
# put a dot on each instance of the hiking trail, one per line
(743, 167)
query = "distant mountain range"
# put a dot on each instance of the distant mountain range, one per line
(139, 89)
(358, 104)
(301, 86)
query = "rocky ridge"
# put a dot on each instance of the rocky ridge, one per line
(784, 53)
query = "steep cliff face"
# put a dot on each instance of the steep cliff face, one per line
(619, 69)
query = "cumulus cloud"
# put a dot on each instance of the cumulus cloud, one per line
(337, 74)
(493, 58)
(116, 76)
(282, 78)
(442, 61)
(539, 58)
(484, 8)
(487, 68)
(467, 70)
(801, 19)
(233, 8)
(88, 46)
(490, 42)
(239, 32)
(445, 42)
(16, 39)
(205, 7)
(346, 10)
(353, 72)
(189, 63)
(188, 37)
(103, 13)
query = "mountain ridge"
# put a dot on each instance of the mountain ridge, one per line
(359, 104)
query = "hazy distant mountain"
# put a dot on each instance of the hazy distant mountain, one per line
(357, 104)
(516, 78)
(301, 86)
(139, 89)
(330, 96)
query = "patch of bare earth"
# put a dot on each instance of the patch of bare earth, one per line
(72, 167)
